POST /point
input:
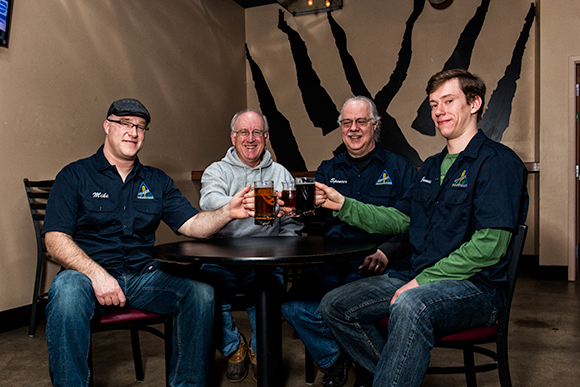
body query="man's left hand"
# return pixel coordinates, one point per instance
(409, 285)
(375, 263)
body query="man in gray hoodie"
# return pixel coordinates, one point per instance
(245, 162)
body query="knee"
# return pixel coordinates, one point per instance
(200, 294)
(330, 303)
(71, 294)
(289, 310)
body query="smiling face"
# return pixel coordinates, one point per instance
(121, 143)
(453, 116)
(249, 148)
(358, 139)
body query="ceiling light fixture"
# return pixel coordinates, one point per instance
(303, 7)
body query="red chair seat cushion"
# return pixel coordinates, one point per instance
(124, 315)
(470, 334)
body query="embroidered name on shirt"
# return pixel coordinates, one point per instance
(384, 179)
(461, 180)
(100, 195)
(423, 180)
(336, 181)
(144, 192)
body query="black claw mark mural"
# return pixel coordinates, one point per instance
(323, 112)
(499, 107)
(460, 59)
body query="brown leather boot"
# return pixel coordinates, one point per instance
(238, 363)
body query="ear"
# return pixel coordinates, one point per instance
(233, 138)
(476, 104)
(266, 138)
(106, 126)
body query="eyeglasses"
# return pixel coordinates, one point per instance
(246, 133)
(360, 123)
(129, 125)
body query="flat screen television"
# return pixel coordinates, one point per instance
(5, 13)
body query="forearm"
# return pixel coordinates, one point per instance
(373, 219)
(206, 223)
(485, 248)
(62, 248)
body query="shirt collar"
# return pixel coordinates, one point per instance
(103, 164)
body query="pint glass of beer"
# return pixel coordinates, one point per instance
(304, 196)
(289, 196)
(265, 203)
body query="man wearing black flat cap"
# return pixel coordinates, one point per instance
(100, 227)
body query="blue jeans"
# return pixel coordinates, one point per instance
(228, 281)
(302, 310)
(418, 315)
(72, 305)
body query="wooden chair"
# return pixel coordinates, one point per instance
(134, 320)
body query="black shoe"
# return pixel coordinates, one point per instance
(363, 378)
(337, 374)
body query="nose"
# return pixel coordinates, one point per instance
(133, 131)
(438, 110)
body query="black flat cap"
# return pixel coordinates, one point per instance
(129, 107)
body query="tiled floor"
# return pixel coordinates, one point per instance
(544, 348)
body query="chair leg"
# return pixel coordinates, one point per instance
(469, 361)
(503, 366)
(32, 326)
(309, 367)
(139, 374)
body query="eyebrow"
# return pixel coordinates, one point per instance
(443, 97)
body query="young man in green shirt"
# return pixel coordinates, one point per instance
(460, 214)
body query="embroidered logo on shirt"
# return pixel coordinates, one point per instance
(461, 180)
(385, 179)
(336, 181)
(424, 180)
(144, 192)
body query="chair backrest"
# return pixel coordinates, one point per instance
(516, 250)
(37, 193)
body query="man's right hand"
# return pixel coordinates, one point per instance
(328, 197)
(107, 290)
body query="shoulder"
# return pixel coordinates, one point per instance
(500, 154)
(395, 159)
(82, 167)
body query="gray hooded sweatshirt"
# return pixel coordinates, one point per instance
(223, 179)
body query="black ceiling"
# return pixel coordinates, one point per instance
(254, 3)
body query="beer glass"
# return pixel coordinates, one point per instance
(304, 196)
(265, 202)
(289, 196)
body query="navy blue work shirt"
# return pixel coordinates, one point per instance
(382, 181)
(112, 221)
(484, 188)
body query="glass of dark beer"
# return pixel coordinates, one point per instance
(265, 202)
(304, 196)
